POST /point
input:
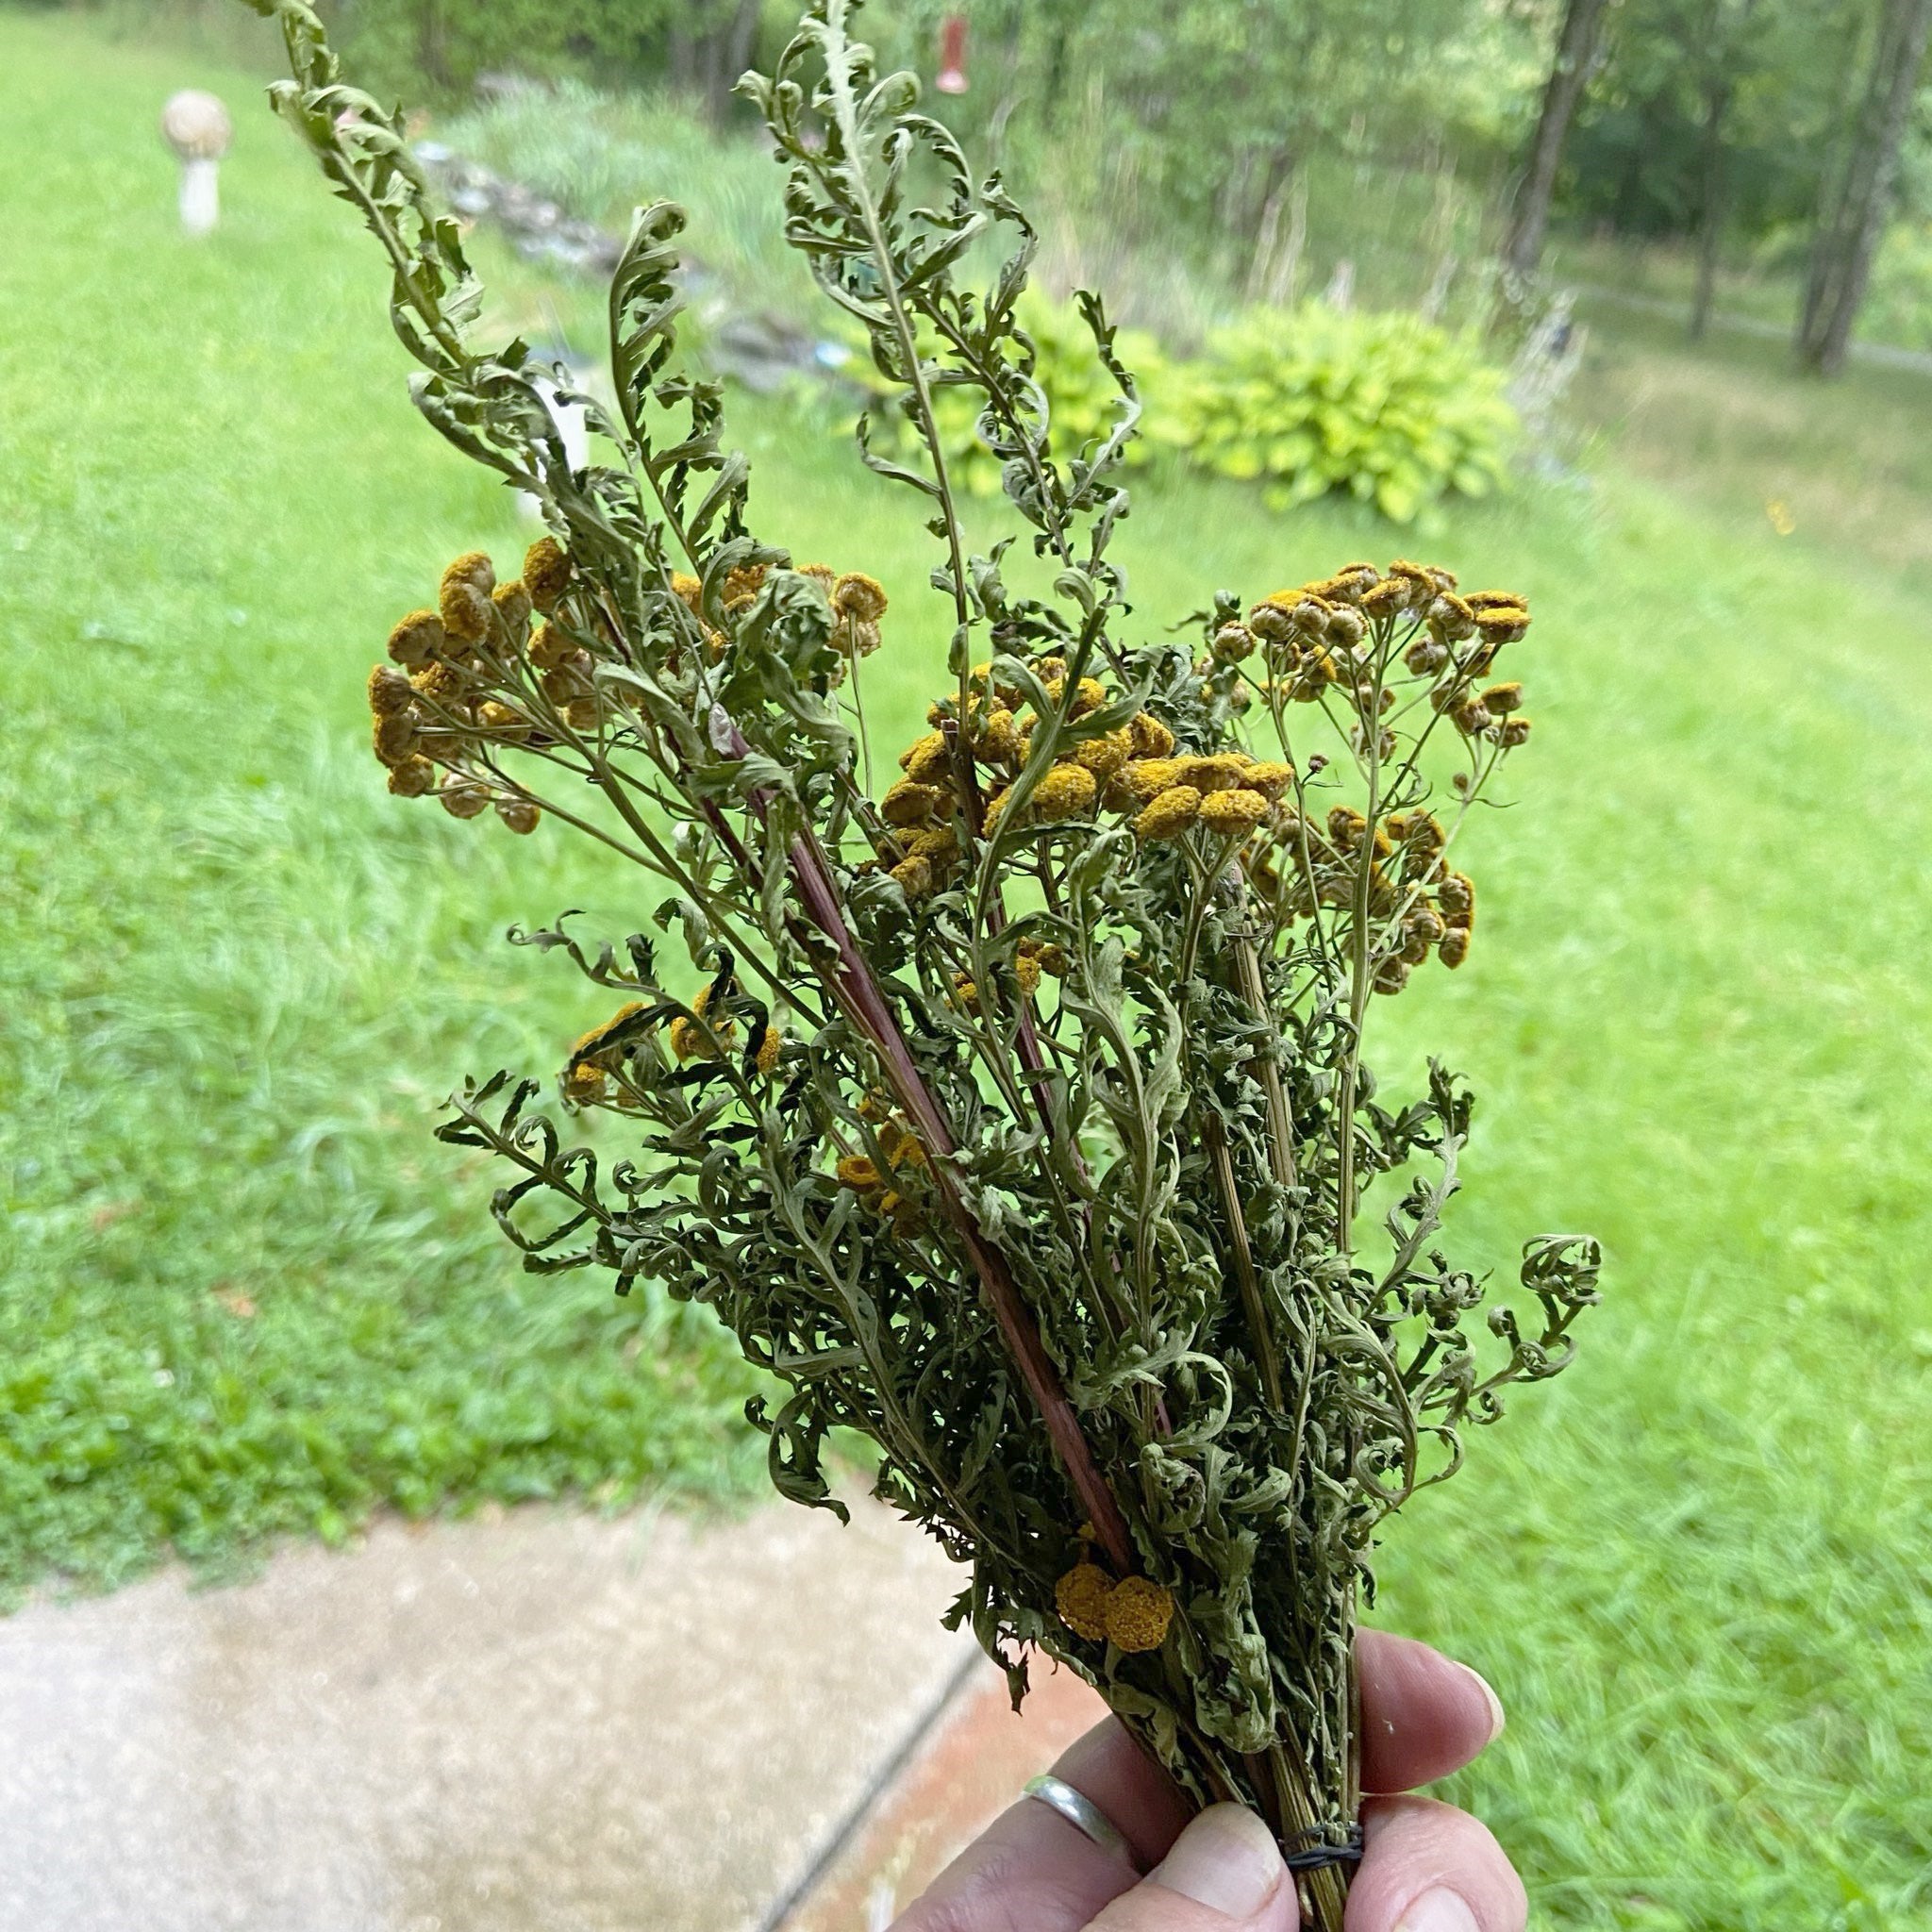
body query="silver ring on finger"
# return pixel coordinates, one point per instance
(1083, 1814)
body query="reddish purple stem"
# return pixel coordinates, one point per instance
(858, 991)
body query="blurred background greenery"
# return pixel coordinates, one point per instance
(245, 1294)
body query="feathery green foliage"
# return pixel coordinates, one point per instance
(1716, 1694)
(1081, 390)
(1087, 1266)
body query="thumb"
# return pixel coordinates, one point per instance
(1224, 1873)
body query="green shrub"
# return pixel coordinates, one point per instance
(409, 44)
(1081, 393)
(1385, 408)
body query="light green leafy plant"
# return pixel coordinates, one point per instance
(1016, 1118)
(1388, 409)
(1081, 391)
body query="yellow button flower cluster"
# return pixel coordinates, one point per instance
(690, 1040)
(595, 1055)
(1132, 1615)
(1228, 793)
(888, 1189)
(432, 702)
(919, 807)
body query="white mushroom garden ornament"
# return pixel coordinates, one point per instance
(196, 126)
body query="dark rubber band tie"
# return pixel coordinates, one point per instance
(1319, 1858)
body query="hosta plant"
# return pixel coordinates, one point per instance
(1079, 389)
(1014, 1114)
(1385, 408)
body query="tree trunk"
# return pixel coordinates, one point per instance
(717, 82)
(1277, 181)
(1287, 259)
(1012, 40)
(1720, 89)
(743, 46)
(1839, 192)
(1623, 219)
(1575, 51)
(1711, 215)
(1058, 45)
(681, 61)
(432, 44)
(707, 58)
(1848, 240)
(1846, 93)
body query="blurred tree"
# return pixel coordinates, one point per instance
(1057, 20)
(1724, 53)
(1576, 49)
(1858, 193)
(1238, 96)
(712, 44)
(1191, 124)
(445, 43)
(432, 43)
(1768, 85)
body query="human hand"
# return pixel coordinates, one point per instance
(1427, 1867)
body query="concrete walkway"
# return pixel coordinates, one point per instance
(544, 1724)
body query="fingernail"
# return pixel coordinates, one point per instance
(1226, 1858)
(1439, 1911)
(1497, 1719)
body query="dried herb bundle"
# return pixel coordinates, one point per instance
(1015, 1116)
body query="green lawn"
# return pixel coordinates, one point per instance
(1844, 469)
(1761, 294)
(246, 1294)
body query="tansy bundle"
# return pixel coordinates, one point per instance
(1011, 1114)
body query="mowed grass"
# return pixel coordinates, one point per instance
(246, 1293)
(1841, 469)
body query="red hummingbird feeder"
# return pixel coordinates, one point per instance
(952, 78)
